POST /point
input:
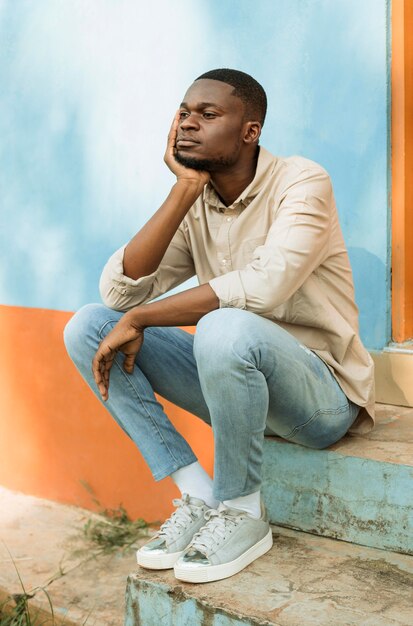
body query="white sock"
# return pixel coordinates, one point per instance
(193, 480)
(251, 504)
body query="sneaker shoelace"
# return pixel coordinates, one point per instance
(179, 519)
(219, 523)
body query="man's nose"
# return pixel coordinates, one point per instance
(189, 122)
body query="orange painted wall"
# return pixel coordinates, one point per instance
(54, 432)
(402, 170)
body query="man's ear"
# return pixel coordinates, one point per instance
(252, 132)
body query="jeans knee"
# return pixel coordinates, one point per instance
(80, 327)
(220, 337)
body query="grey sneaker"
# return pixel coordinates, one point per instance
(174, 535)
(229, 541)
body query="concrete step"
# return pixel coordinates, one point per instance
(359, 490)
(303, 580)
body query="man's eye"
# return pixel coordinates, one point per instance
(209, 115)
(183, 114)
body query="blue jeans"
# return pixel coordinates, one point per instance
(240, 373)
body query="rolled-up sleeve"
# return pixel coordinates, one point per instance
(296, 244)
(122, 293)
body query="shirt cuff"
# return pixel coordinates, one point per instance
(119, 291)
(229, 290)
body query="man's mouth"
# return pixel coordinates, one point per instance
(186, 142)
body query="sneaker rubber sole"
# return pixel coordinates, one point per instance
(209, 573)
(157, 561)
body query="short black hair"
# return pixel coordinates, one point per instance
(245, 87)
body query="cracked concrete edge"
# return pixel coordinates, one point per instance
(209, 612)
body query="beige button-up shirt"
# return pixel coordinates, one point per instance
(277, 251)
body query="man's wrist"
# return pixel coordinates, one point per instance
(136, 317)
(190, 187)
(181, 309)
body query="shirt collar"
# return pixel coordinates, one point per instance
(265, 165)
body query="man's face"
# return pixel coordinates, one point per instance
(210, 128)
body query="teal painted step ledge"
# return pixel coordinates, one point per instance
(304, 580)
(359, 490)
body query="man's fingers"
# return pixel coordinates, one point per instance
(105, 375)
(173, 131)
(96, 368)
(103, 390)
(101, 384)
(101, 365)
(129, 363)
(106, 353)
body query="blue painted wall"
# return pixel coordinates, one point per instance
(87, 94)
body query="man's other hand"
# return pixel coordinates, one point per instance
(125, 337)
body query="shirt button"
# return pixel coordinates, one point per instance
(224, 261)
(229, 219)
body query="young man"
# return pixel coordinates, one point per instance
(276, 348)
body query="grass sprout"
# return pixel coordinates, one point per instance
(114, 530)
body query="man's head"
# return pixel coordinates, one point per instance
(221, 118)
(246, 88)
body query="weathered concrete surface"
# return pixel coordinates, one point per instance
(359, 490)
(304, 580)
(391, 441)
(42, 536)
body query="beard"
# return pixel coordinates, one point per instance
(207, 165)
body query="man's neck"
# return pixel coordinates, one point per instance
(232, 182)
